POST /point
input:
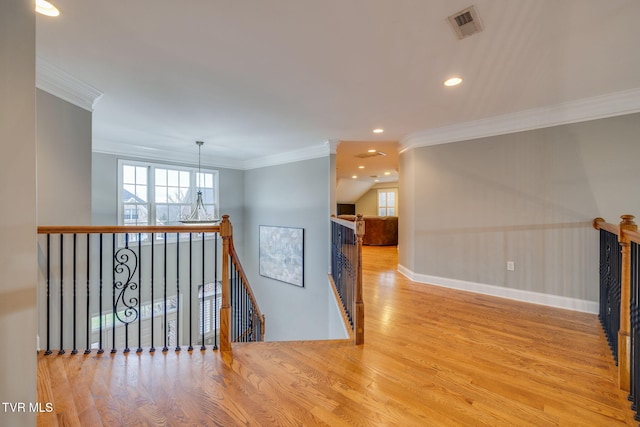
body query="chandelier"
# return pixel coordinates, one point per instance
(199, 214)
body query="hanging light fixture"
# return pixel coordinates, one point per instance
(199, 214)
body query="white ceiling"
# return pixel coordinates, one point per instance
(258, 78)
(357, 170)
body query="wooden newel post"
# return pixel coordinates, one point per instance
(225, 311)
(359, 317)
(624, 333)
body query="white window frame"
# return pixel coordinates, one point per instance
(151, 203)
(212, 300)
(386, 207)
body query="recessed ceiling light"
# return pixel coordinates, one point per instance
(453, 81)
(371, 151)
(43, 7)
(376, 180)
(354, 176)
(387, 173)
(360, 167)
(378, 130)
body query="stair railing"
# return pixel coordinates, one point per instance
(620, 268)
(129, 287)
(247, 321)
(346, 271)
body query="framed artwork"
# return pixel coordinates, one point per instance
(282, 254)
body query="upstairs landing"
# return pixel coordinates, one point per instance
(432, 356)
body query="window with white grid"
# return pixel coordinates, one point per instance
(387, 202)
(156, 194)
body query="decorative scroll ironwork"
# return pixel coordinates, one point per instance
(123, 291)
(125, 267)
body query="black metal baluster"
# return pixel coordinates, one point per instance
(61, 349)
(126, 306)
(190, 292)
(241, 301)
(238, 309)
(153, 240)
(242, 306)
(75, 283)
(87, 350)
(202, 347)
(139, 349)
(216, 329)
(48, 350)
(113, 294)
(635, 327)
(603, 293)
(247, 308)
(615, 313)
(232, 301)
(100, 349)
(126, 324)
(166, 332)
(245, 312)
(606, 284)
(178, 291)
(236, 304)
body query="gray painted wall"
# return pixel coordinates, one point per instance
(267, 196)
(64, 162)
(64, 184)
(18, 217)
(292, 195)
(406, 204)
(529, 197)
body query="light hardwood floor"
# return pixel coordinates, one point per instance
(432, 357)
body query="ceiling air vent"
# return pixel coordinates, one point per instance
(367, 155)
(466, 22)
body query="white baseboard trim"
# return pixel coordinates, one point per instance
(499, 291)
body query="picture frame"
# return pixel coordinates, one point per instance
(281, 254)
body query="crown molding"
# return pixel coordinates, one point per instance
(333, 145)
(308, 153)
(599, 107)
(147, 153)
(59, 83)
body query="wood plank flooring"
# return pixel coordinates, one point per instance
(432, 357)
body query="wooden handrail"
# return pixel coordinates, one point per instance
(107, 229)
(633, 236)
(344, 222)
(601, 224)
